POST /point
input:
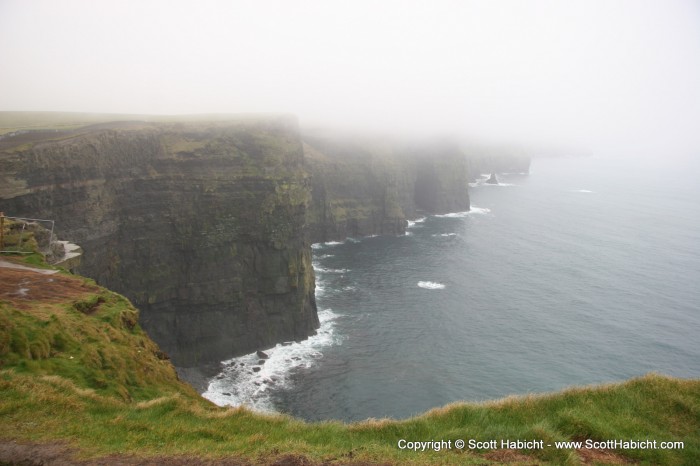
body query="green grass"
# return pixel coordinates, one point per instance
(82, 371)
(14, 121)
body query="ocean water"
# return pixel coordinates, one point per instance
(584, 271)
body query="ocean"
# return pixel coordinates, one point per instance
(586, 270)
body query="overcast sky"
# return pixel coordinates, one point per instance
(605, 72)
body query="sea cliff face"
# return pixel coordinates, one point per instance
(206, 226)
(365, 187)
(200, 225)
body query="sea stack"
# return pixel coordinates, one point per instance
(492, 179)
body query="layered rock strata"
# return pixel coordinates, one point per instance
(364, 187)
(201, 225)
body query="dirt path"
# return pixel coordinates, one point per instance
(59, 454)
(12, 265)
(24, 286)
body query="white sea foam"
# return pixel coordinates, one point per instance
(318, 268)
(582, 191)
(497, 184)
(239, 385)
(444, 235)
(323, 245)
(320, 282)
(474, 210)
(431, 285)
(326, 256)
(453, 215)
(416, 222)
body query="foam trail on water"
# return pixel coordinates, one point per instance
(582, 191)
(318, 268)
(474, 210)
(431, 285)
(248, 381)
(444, 235)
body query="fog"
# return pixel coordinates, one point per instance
(609, 75)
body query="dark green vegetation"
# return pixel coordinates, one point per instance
(76, 368)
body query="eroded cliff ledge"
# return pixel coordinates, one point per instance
(201, 225)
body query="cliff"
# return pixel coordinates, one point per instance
(200, 224)
(365, 186)
(206, 224)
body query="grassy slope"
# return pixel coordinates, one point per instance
(80, 369)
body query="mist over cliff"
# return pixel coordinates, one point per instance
(618, 76)
(206, 225)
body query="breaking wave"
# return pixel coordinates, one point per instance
(416, 222)
(250, 380)
(472, 211)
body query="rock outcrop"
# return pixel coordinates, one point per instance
(199, 224)
(483, 160)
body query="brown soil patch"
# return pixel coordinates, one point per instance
(507, 455)
(24, 288)
(60, 454)
(35, 454)
(602, 457)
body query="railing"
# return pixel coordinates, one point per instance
(27, 226)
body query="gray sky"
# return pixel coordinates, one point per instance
(622, 73)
